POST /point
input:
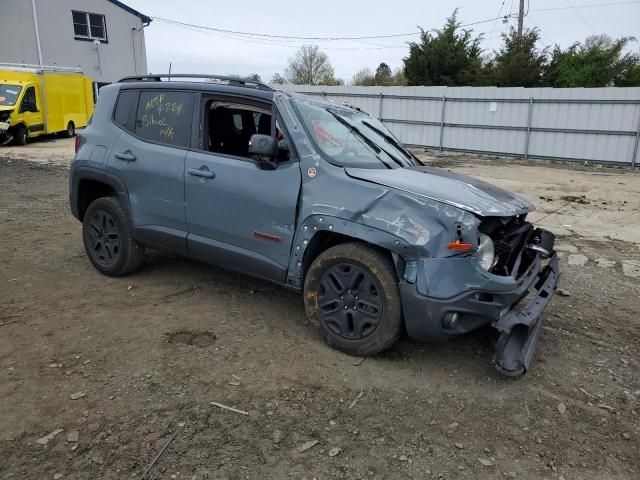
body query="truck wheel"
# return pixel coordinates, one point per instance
(20, 135)
(107, 238)
(70, 131)
(351, 291)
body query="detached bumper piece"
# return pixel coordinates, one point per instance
(519, 330)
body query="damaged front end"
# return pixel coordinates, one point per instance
(521, 250)
(5, 122)
(452, 296)
(464, 253)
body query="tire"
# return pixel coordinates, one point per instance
(70, 132)
(351, 292)
(107, 238)
(20, 135)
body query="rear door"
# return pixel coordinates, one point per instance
(149, 158)
(239, 214)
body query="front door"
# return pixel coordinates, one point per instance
(31, 111)
(149, 156)
(240, 214)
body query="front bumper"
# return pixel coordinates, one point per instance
(478, 299)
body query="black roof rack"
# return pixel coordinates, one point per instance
(235, 81)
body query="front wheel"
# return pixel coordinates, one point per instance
(351, 291)
(107, 238)
(20, 135)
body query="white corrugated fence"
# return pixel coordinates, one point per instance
(575, 124)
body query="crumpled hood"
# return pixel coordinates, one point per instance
(460, 191)
(4, 108)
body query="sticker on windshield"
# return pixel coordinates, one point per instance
(13, 92)
(312, 172)
(2, 99)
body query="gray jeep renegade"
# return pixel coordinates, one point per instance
(316, 196)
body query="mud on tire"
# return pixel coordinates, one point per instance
(351, 292)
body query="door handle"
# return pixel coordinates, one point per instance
(201, 172)
(126, 156)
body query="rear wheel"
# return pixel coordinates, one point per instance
(107, 238)
(20, 135)
(70, 131)
(351, 291)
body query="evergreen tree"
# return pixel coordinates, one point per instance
(449, 56)
(519, 63)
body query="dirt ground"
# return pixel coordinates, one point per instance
(128, 364)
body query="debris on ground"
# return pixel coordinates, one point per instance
(232, 409)
(47, 438)
(308, 445)
(334, 451)
(355, 400)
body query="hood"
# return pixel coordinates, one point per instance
(460, 191)
(4, 108)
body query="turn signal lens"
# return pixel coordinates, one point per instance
(460, 246)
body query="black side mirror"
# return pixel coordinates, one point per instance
(262, 145)
(264, 149)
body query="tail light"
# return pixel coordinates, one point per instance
(79, 142)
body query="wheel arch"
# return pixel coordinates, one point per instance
(87, 185)
(320, 232)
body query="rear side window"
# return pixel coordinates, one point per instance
(125, 112)
(165, 117)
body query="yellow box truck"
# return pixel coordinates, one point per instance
(37, 100)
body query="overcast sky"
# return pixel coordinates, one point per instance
(192, 50)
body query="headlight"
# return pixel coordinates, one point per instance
(486, 252)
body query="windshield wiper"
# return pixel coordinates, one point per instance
(375, 147)
(390, 140)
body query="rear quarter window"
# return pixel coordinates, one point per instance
(125, 111)
(165, 117)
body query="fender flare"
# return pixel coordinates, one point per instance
(82, 172)
(314, 224)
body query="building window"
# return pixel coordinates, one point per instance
(89, 26)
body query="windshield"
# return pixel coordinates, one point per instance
(9, 94)
(351, 138)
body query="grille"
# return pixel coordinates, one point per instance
(511, 239)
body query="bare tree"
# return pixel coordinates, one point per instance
(363, 78)
(310, 66)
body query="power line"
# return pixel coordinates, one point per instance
(496, 21)
(584, 20)
(292, 37)
(588, 5)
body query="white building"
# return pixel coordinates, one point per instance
(105, 38)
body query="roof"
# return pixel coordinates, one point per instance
(205, 87)
(141, 16)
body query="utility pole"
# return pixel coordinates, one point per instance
(520, 18)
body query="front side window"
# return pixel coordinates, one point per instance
(9, 94)
(89, 25)
(230, 125)
(164, 117)
(29, 100)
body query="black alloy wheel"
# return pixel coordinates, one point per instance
(351, 292)
(104, 238)
(349, 300)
